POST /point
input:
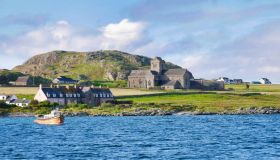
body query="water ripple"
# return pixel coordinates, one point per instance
(170, 137)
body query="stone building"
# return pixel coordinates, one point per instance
(23, 81)
(160, 77)
(64, 95)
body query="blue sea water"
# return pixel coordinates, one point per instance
(169, 137)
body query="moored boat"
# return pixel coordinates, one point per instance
(54, 118)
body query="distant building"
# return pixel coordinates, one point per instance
(224, 79)
(255, 82)
(159, 76)
(265, 81)
(23, 81)
(64, 80)
(13, 100)
(72, 94)
(8, 98)
(237, 81)
(21, 102)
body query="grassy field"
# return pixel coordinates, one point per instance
(18, 90)
(254, 88)
(212, 102)
(32, 91)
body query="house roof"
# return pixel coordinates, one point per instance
(21, 101)
(62, 91)
(23, 79)
(171, 83)
(176, 72)
(142, 73)
(57, 92)
(97, 90)
(63, 78)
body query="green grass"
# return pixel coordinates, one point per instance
(211, 102)
(254, 88)
(26, 96)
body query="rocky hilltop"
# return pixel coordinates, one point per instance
(105, 64)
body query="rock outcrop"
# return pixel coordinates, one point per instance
(105, 64)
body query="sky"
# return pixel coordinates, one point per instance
(211, 38)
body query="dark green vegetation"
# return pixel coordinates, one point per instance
(7, 76)
(99, 65)
(103, 83)
(34, 108)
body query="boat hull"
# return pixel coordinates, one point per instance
(51, 121)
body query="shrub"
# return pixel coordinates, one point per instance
(107, 105)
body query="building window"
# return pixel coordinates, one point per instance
(61, 95)
(78, 95)
(54, 95)
(96, 95)
(100, 95)
(74, 95)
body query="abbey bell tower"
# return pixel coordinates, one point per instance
(157, 64)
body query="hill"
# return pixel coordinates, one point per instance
(98, 65)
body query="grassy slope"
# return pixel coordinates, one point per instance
(212, 102)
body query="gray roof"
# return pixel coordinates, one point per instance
(61, 92)
(176, 71)
(63, 78)
(142, 73)
(22, 79)
(171, 83)
(21, 101)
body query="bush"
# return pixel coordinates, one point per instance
(107, 105)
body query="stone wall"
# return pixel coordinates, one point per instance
(206, 84)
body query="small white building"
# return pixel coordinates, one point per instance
(21, 102)
(8, 98)
(265, 81)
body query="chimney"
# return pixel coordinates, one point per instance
(51, 85)
(67, 86)
(40, 86)
(100, 86)
(92, 86)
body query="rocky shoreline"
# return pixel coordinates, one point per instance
(160, 112)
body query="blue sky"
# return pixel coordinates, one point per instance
(211, 38)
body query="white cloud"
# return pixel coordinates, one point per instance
(125, 35)
(122, 34)
(269, 69)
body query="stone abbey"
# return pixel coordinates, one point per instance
(159, 76)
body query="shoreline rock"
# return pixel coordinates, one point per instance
(160, 112)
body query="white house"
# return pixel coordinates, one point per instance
(8, 98)
(21, 102)
(265, 81)
(13, 100)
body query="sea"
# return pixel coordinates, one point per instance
(159, 137)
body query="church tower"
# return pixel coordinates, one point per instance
(158, 65)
